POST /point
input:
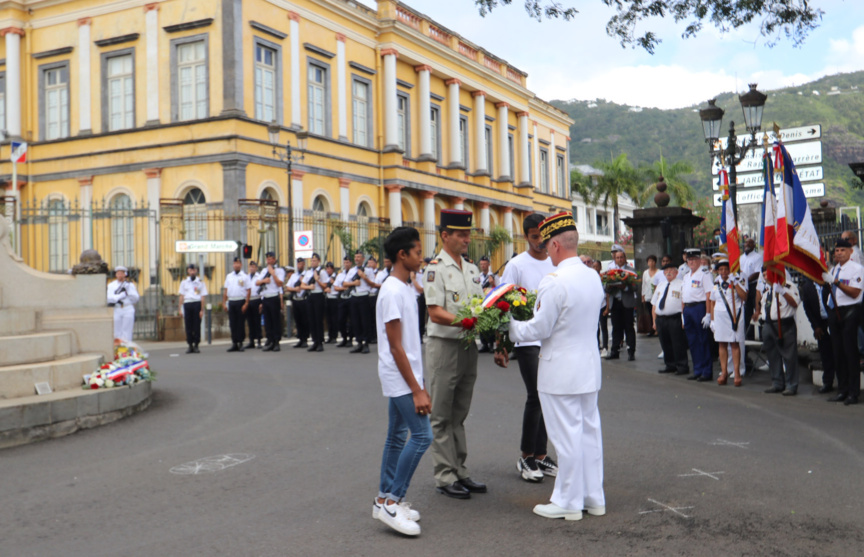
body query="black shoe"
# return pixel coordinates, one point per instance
(267, 348)
(825, 389)
(612, 356)
(472, 486)
(233, 348)
(249, 346)
(331, 341)
(455, 490)
(240, 348)
(365, 349)
(773, 390)
(359, 348)
(313, 348)
(190, 350)
(301, 344)
(838, 398)
(483, 349)
(694, 378)
(789, 392)
(195, 349)
(373, 341)
(343, 344)
(702, 379)
(631, 357)
(665, 371)
(685, 372)
(850, 400)
(275, 347)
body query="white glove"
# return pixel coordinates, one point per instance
(712, 327)
(828, 277)
(706, 321)
(779, 290)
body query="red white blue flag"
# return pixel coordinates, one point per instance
(776, 273)
(728, 226)
(19, 151)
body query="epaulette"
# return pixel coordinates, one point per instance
(433, 262)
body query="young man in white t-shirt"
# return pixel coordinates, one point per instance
(527, 270)
(400, 369)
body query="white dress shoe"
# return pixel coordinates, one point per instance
(554, 511)
(596, 511)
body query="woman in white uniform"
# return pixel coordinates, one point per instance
(727, 319)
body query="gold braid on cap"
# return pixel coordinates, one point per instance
(555, 223)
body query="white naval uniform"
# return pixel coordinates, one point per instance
(568, 379)
(124, 296)
(723, 330)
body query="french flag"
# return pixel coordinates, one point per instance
(776, 273)
(728, 226)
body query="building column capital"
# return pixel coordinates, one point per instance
(394, 188)
(534, 123)
(84, 21)
(297, 174)
(506, 209)
(389, 52)
(85, 181)
(478, 94)
(568, 138)
(153, 173)
(458, 200)
(11, 31)
(502, 105)
(482, 204)
(427, 194)
(453, 81)
(153, 6)
(294, 16)
(552, 133)
(523, 114)
(344, 182)
(340, 37)
(423, 68)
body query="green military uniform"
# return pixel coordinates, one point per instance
(452, 367)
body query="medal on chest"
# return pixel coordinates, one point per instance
(455, 296)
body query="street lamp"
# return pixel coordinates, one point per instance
(752, 103)
(286, 155)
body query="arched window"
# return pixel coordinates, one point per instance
(363, 212)
(122, 231)
(195, 215)
(268, 195)
(58, 236)
(267, 238)
(320, 208)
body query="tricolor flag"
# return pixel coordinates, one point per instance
(776, 273)
(728, 226)
(797, 242)
(19, 151)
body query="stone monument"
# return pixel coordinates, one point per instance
(662, 229)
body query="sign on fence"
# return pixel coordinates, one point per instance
(303, 240)
(205, 246)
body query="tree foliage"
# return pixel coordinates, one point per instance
(793, 19)
(678, 188)
(619, 178)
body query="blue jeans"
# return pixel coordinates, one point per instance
(400, 459)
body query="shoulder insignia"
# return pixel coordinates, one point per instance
(433, 262)
(430, 276)
(553, 274)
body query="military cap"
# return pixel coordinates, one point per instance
(455, 219)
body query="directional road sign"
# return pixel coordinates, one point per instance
(205, 246)
(757, 195)
(791, 135)
(806, 153)
(755, 179)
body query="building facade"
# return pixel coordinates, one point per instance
(163, 108)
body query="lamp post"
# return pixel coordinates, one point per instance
(752, 103)
(286, 155)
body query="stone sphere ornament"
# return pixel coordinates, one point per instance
(661, 198)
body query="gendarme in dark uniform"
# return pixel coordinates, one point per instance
(449, 281)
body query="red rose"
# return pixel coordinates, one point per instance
(469, 322)
(503, 306)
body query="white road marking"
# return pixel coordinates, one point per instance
(739, 444)
(666, 508)
(211, 464)
(701, 473)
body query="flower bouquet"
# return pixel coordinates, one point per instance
(130, 366)
(618, 279)
(490, 316)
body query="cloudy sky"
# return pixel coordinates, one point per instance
(577, 60)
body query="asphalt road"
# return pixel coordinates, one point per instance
(305, 432)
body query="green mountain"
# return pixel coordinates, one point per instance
(605, 129)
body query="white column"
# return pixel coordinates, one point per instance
(154, 192)
(394, 201)
(429, 222)
(297, 193)
(553, 164)
(151, 41)
(84, 124)
(503, 143)
(85, 195)
(344, 198)
(484, 217)
(453, 113)
(342, 86)
(524, 164)
(13, 81)
(536, 177)
(425, 109)
(459, 203)
(294, 31)
(480, 132)
(508, 226)
(391, 124)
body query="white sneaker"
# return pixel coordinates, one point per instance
(604, 353)
(395, 517)
(529, 470)
(411, 513)
(596, 511)
(660, 356)
(554, 511)
(763, 367)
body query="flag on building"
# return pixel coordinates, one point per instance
(776, 273)
(728, 226)
(19, 151)
(797, 242)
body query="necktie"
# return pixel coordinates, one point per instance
(834, 289)
(663, 299)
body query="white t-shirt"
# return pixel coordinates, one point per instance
(396, 300)
(527, 272)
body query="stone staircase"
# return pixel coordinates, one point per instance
(54, 329)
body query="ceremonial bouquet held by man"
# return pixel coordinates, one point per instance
(492, 315)
(618, 279)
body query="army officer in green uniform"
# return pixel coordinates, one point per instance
(448, 282)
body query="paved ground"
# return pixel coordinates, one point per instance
(786, 472)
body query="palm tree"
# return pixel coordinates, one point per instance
(679, 189)
(619, 178)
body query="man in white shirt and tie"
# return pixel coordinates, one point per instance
(235, 299)
(569, 374)
(667, 307)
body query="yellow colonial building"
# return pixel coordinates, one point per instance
(154, 116)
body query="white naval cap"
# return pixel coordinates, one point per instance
(617, 247)
(121, 268)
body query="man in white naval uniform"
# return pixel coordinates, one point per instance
(568, 379)
(123, 295)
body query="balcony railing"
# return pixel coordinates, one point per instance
(492, 64)
(407, 17)
(439, 35)
(467, 51)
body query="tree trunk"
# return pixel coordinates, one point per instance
(615, 222)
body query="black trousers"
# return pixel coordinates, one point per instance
(236, 321)
(272, 319)
(192, 321)
(421, 313)
(373, 332)
(344, 318)
(361, 322)
(331, 308)
(315, 310)
(673, 342)
(534, 439)
(622, 325)
(826, 352)
(844, 339)
(749, 304)
(603, 331)
(301, 318)
(253, 318)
